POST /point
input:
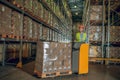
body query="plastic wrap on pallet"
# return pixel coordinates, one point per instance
(35, 29)
(25, 53)
(53, 57)
(95, 51)
(40, 10)
(27, 27)
(114, 52)
(96, 12)
(51, 19)
(17, 23)
(95, 33)
(114, 35)
(40, 31)
(42, 56)
(35, 7)
(45, 33)
(5, 22)
(28, 4)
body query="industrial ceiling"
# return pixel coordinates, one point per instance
(76, 7)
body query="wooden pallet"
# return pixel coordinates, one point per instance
(29, 11)
(6, 36)
(46, 75)
(17, 5)
(64, 73)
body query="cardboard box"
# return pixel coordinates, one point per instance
(17, 23)
(35, 30)
(18, 2)
(5, 23)
(95, 33)
(35, 9)
(96, 12)
(28, 4)
(51, 58)
(27, 27)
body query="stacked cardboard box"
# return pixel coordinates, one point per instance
(45, 33)
(17, 23)
(53, 57)
(12, 52)
(114, 35)
(114, 52)
(26, 50)
(96, 12)
(28, 4)
(40, 31)
(27, 27)
(5, 20)
(35, 7)
(95, 51)
(51, 19)
(18, 2)
(46, 15)
(35, 30)
(40, 10)
(95, 33)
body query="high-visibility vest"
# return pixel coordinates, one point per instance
(84, 37)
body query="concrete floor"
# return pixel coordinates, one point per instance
(96, 72)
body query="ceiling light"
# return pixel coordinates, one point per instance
(76, 13)
(75, 6)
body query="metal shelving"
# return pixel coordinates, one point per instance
(53, 31)
(41, 21)
(110, 18)
(61, 23)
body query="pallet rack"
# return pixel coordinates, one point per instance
(61, 32)
(110, 17)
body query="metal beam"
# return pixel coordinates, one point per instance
(103, 29)
(108, 34)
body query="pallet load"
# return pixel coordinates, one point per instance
(53, 59)
(28, 5)
(35, 30)
(95, 33)
(17, 24)
(12, 53)
(96, 13)
(114, 54)
(18, 3)
(5, 21)
(27, 28)
(114, 35)
(95, 51)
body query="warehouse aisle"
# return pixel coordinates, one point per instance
(96, 72)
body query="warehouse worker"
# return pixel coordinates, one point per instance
(81, 36)
(80, 39)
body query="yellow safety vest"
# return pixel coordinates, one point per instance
(84, 37)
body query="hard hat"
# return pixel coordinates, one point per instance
(81, 26)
